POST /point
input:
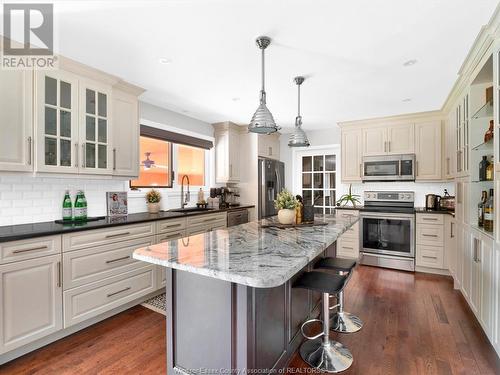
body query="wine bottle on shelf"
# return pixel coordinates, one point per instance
(488, 213)
(489, 171)
(480, 208)
(488, 136)
(483, 165)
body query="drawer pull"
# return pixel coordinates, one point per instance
(347, 215)
(170, 236)
(430, 218)
(31, 249)
(429, 257)
(120, 291)
(173, 225)
(347, 247)
(429, 235)
(117, 259)
(117, 234)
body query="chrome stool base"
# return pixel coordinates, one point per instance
(345, 322)
(329, 357)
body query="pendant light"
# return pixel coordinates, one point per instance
(262, 120)
(298, 138)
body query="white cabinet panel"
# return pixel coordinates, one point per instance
(14, 251)
(90, 300)
(374, 141)
(400, 139)
(351, 155)
(428, 150)
(485, 259)
(16, 120)
(450, 245)
(126, 130)
(31, 297)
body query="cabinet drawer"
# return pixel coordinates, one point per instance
(89, 265)
(170, 225)
(347, 248)
(430, 219)
(90, 300)
(164, 237)
(29, 249)
(98, 237)
(346, 213)
(206, 219)
(428, 234)
(352, 233)
(430, 256)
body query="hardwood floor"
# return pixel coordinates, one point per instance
(414, 324)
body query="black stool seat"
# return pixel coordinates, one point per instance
(321, 282)
(338, 264)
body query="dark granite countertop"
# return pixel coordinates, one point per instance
(423, 210)
(24, 231)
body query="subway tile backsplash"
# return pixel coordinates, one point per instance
(28, 199)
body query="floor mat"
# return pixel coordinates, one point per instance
(157, 304)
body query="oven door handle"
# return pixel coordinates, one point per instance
(385, 215)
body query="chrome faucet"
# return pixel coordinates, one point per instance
(184, 199)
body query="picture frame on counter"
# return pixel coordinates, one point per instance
(117, 203)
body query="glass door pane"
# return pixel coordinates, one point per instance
(96, 129)
(57, 122)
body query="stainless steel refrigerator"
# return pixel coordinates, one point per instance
(271, 182)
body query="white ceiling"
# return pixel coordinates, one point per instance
(352, 53)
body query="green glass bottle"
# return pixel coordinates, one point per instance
(67, 207)
(80, 206)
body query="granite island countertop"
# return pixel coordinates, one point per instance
(248, 254)
(49, 228)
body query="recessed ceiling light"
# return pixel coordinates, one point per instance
(235, 99)
(164, 60)
(407, 100)
(410, 62)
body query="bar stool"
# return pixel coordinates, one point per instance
(320, 351)
(341, 321)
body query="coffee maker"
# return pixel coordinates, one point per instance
(432, 202)
(232, 196)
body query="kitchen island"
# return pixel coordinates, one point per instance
(230, 302)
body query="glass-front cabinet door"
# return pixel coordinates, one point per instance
(57, 122)
(95, 128)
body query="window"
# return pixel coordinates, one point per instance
(191, 163)
(319, 181)
(160, 158)
(156, 163)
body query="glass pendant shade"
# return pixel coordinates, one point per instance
(262, 120)
(298, 138)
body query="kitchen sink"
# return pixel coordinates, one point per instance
(190, 209)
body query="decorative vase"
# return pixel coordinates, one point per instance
(286, 216)
(154, 208)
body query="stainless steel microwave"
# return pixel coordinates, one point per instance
(389, 168)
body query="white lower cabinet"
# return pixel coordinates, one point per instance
(31, 308)
(90, 300)
(348, 243)
(450, 244)
(430, 240)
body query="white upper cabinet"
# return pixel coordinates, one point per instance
(428, 150)
(269, 145)
(126, 128)
(57, 141)
(227, 152)
(16, 120)
(61, 121)
(374, 141)
(387, 140)
(400, 139)
(351, 155)
(95, 128)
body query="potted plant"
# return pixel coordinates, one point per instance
(153, 198)
(286, 203)
(348, 198)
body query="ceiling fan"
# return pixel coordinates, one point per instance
(148, 163)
